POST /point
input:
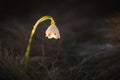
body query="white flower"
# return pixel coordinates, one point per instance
(52, 32)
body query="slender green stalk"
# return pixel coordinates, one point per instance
(27, 53)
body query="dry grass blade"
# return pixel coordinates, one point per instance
(9, 66)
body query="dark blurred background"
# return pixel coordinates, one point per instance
(84, 21)
(23, 8)
(90, 38)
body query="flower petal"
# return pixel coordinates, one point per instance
(52, 32)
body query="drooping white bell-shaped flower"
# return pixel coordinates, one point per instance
(52, 32)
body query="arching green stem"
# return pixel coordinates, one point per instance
(27, 53)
